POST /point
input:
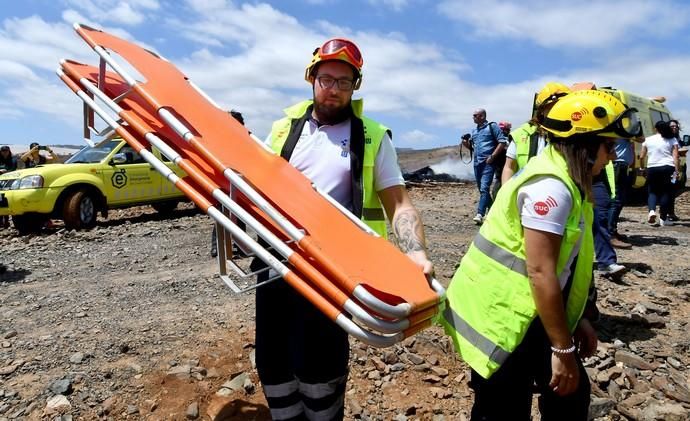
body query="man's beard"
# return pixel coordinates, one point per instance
(330, 114)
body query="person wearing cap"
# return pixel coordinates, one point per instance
(489, 144)
(528, 140)
(33, 156)
(517, 309)
(302, 356)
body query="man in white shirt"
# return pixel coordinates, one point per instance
(302, 356)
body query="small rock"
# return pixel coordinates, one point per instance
(440, 393)
(632, 360)
(674, 363)
(61, 387)
(57, 404)
(248, 386)
(665, 412)
(415, 359)
(77, 358)
(237, 382)
(599, 407)
(439, 371)
(192, 412)
(10, 334)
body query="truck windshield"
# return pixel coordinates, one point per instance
(90, 155)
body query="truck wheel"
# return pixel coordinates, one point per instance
(79, 211)
(28, 223)
(165, 208)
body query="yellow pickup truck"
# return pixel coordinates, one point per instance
(109, 175)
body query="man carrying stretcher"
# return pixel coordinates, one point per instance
(301, 355)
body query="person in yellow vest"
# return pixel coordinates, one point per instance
(528, 140)
(302, 356)
(516, 305)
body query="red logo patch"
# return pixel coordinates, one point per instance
(576, 116)
(543, 208)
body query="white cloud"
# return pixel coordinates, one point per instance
(417, 138)
(396, 5)
(131, 12)
(558, 23)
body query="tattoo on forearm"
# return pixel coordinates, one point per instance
(408, 230)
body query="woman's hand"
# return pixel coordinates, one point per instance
(586, 338)
(565, 374)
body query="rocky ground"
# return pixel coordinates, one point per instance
(130, 322)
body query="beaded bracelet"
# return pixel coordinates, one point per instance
(563, 351)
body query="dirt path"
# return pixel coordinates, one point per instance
(130, 321)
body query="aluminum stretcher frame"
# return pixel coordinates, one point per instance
(398, 319)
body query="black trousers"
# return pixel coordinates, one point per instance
(507, 395)
(660, 189)
(301, 356)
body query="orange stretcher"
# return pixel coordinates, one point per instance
(358, 279)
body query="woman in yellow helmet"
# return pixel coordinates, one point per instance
(516, 305)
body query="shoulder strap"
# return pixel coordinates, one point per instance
(357, 163)
(296, 127)
(533, 145)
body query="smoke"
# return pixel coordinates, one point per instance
(456, 168)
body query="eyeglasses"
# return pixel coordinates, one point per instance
(327, 82)
(334, 47)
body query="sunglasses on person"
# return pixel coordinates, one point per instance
(332, 48)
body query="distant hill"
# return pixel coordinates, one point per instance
(414, 159)
(445, 160)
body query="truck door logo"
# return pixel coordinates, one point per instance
(119, 179)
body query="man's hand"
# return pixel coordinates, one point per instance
(421, 260)
(490, 159)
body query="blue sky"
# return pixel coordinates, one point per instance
(428, 64)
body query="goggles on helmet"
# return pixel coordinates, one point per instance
(626, 125)
(333, 48)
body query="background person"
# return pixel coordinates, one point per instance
(623, 175)
(302, 356)
(489, 143)
(529, 140)
(515, 304)
(33, 156)
(677, 187)
(8, 162)
(661, 152)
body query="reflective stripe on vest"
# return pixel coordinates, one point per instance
(611, 178)
(372, 209)
(488, 348)
(489, 298)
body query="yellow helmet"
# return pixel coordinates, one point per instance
(550, 92)
(337, 49)
(591, 112)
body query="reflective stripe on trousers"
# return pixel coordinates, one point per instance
(313, 391)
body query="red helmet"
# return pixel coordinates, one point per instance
(340, 49)
(505, 125)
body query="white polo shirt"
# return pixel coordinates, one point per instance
(323, 155)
